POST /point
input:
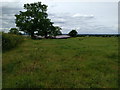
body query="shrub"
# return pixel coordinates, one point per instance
(10, 41)
(73, 33)
(14, 31)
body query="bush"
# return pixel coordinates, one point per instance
(14, 31)
(10, 41)
(73, 33)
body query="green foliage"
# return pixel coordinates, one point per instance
(65, 63)
(14, 31)
(73, 33)
(56, 31)
(35, 18)
(10, 41)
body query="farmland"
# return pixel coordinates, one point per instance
(80, 62)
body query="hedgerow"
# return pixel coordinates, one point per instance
(10, 41)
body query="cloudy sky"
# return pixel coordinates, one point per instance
(95, 17)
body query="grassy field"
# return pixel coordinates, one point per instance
(82, 62)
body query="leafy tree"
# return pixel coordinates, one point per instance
(35, 18)
(45, 28)
(73, 33)
(14, 31)
(56, 31)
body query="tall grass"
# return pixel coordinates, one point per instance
(10, 41)
(82, 62)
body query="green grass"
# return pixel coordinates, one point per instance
(82, 62)
(10, 41)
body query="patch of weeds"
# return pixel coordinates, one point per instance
(112, 56)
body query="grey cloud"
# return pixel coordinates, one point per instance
(8, 12)
(85, 24)
(67, 22)
(78, 15)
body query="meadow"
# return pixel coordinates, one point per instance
(80, 62)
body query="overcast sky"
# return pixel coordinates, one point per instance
(93, 17)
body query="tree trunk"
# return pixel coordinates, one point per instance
(46, 35)
(32, 35)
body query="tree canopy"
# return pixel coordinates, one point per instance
(35, 18)
(73, 33)
(14, 31)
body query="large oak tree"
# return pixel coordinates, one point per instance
(35, 18)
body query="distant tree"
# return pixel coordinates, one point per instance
(57, 31)
(14, 31)
(35, 18)
(73, 33)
